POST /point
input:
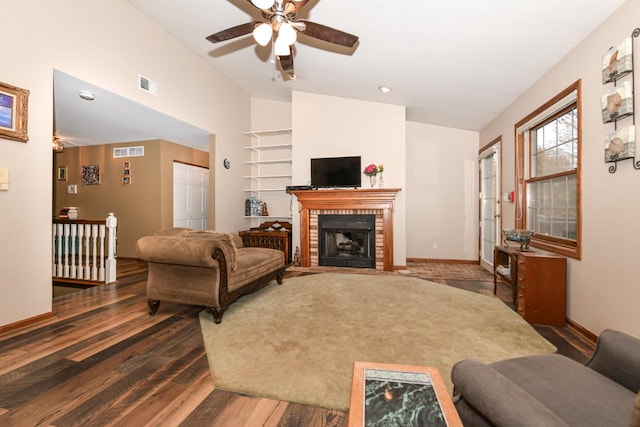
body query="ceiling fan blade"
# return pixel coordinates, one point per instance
(329, 34)
(286, 63)
(294, 6)
(300, 26)
(233, 32)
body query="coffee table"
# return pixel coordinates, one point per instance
(390, 394)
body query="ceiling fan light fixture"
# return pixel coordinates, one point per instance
(262, 33)
(287, 34)
(263, 4)
(281, 48)
(384, 89)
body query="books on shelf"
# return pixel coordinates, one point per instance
(68, 212)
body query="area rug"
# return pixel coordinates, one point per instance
(297, 342)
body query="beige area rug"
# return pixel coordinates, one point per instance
(297, 342)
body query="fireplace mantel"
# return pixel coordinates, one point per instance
(327, 200)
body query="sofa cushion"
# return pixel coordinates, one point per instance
(577, 394)
(254, 263)
(635, 417)
(483, 394)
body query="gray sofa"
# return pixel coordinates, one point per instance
(553, 390)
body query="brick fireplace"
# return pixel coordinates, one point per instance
(375, 202)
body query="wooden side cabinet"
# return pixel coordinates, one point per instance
(540, 285)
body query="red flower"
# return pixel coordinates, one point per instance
(371, 170)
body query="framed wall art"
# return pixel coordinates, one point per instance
(620, 144)
(91, 175)
(618, 61)
(617, 102)
(13, 112)
(62, 173)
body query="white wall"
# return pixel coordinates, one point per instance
(603, 289)
(107, 44)
(442, 188)
(329, 126)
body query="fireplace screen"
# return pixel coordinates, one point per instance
(346, 240)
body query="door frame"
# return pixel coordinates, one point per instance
(493, 148)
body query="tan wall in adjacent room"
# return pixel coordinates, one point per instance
(142, 207)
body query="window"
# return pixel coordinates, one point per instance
(548, 173)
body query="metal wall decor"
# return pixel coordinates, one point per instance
(617, 103)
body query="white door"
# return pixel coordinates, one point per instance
(490, 211)
(190, 196)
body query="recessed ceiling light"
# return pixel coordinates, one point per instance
(384, 89)
(86, 95)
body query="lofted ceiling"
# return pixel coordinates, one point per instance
(456, 64)
(451, 63)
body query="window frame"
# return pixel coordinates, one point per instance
(551, 110)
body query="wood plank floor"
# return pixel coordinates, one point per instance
(104, 361)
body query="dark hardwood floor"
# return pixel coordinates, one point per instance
(104, 361)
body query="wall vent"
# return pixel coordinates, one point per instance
(128, 152)
(148, 85)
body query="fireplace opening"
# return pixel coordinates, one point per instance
(347, 240)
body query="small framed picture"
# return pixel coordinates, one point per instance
(618, 61)
(617, 102)
(126, 172)
(13, 112)
(91, 175)
(126, 180)
(620, 144)
(62, 173)
(125, 165)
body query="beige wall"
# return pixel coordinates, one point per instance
(142, 207)
(603, 290)
(107, 44)
(328, 126)
(442, 183)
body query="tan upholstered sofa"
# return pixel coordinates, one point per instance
(205, 268)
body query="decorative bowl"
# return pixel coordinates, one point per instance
(518, 235)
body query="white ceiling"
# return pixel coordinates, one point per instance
(456, 64)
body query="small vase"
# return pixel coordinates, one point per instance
(372, 180)
(380, 182)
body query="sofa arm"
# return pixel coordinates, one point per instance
(497, 399)
(617, 356)
(180, 250)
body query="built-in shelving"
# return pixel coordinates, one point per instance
(270, 171)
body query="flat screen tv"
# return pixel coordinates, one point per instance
(330, 172)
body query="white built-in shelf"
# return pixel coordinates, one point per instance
(257, 177)
(269, 147)
(288, 216)
(259, 133)
(270, 159)
(262, 190)
(268, 162)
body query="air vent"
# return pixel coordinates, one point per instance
(128, 152)
(148, 86)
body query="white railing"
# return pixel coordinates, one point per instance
(79, 249)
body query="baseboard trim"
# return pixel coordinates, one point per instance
(587, 334)
(26, 322)
(442, 261)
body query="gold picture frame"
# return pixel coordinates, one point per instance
(13, 112)
(62, 173)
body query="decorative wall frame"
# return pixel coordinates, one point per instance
(91, 175)
(618, 61)
(126, 173)
(13, 112)
(620, 144)
(62, 173)
(617, 102)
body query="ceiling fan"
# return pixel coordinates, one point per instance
(281, 26)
